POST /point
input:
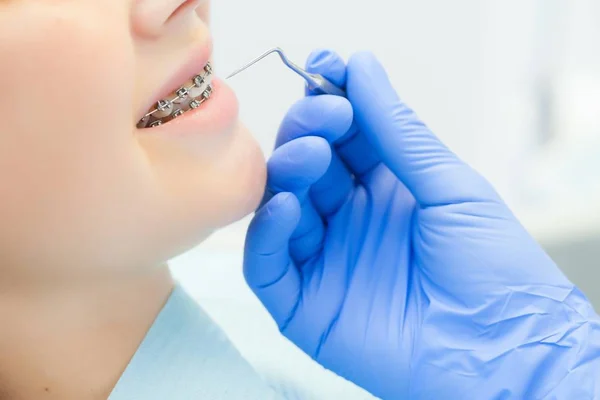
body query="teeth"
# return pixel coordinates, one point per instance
(195, 104)
(189, 96)
(199, 85)
(182, 95)
(206, 94)
(164, 108)
(199, 80)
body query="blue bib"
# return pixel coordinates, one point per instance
(186, 356)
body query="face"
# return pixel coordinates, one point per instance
(85, 191)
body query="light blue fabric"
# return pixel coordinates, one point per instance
(186, 356)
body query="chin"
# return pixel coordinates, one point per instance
(249, 175)
(211, 195)
(228, 185)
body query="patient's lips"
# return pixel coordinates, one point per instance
(196, 103)
(190, 96)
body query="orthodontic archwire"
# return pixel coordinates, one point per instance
(168, 105)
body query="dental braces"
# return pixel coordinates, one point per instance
(175, 107)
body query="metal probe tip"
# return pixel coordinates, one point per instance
(315, 81)
(277, 50)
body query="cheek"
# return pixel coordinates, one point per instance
(67, 85)
(210, 192)
(68, 64)
(66, 77)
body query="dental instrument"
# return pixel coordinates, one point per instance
(316, 82)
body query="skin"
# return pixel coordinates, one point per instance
(92, 208)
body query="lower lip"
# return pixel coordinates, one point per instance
(214, 116)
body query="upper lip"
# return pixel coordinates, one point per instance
(198, 57)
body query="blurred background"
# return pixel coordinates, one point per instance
(513, 87)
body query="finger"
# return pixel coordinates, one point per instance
(268, 268)
(353, 147)
(294, 167)
(294, 126)
(433, 174)
(357, 152)
(330, 192)
(328, 117)
(329, 64)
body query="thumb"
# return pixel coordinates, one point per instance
(434, 175)
(268, 268)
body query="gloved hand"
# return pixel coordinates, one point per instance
(391, 262)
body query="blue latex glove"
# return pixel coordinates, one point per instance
(393, 263)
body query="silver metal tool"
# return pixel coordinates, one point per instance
(317, 83)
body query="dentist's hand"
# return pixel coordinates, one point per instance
(391, 262)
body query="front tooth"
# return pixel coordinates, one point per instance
(182, 95)
(206, 94)
(164, 109)
(199, 84)
(199, 80)
(195, 104)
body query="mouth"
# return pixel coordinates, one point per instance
(188, 97)
(192, 103)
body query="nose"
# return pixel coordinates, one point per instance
(151, 17)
